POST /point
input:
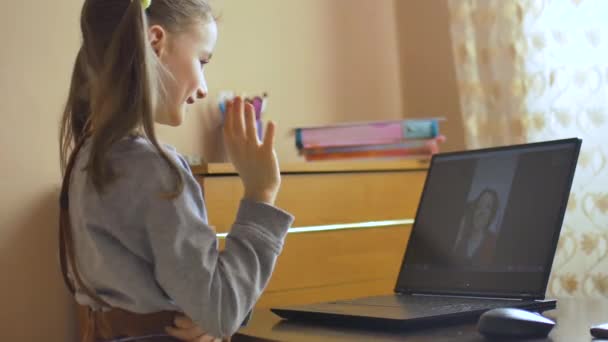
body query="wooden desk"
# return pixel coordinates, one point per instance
(573, 316)
(357, 218)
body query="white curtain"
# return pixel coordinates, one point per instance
(538, 70)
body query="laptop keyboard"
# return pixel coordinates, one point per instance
(433, 304)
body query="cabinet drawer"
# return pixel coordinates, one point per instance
(339, 257)
(341, 264)
(325, 263)
(320, 199)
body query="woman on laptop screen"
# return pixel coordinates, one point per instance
(475, 242)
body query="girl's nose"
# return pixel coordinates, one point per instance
(200, 93)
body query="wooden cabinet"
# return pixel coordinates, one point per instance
(353, 221)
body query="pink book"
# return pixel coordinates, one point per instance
(371, 133)
(354, 135)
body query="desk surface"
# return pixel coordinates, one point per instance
(573, 316)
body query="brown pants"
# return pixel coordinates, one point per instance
(104, 326)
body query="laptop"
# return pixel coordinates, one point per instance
(485, 236)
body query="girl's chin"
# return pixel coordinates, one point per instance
(173, 118)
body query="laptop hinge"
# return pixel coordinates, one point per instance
(461, 296)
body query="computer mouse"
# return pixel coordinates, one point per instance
(600, 331)
(513, 323)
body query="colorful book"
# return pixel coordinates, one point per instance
(382, 147)
(421, 152)
(371, 133)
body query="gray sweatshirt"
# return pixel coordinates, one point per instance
(145, 254)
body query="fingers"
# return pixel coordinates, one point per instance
(234, 122)
(252, 131)
(186, 330)
(191, 335)
(228, 117)
(269, 135)
(208, 338)
(183, 322)
(185, 334)
(238, 120)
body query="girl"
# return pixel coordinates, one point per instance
(135, 245)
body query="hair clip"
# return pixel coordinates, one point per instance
(146, 3)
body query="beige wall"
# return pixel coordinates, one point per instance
(39, 43)
(321, 61)
(429, 80)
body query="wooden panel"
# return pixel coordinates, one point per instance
(323, 166)
(337, 265)
(317, 199)
(339, 257)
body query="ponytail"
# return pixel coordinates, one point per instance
(123, 91)
(77, 111)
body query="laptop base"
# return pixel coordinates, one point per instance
(376, 315)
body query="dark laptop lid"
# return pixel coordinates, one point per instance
(489, 221)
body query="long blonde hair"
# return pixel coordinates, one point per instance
(116, 85)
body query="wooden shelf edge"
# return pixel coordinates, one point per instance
(323, 167)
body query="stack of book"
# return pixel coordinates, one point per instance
(409, 138)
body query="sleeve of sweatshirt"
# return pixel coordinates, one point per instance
(216, 289)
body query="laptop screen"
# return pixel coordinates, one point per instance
(489, 220)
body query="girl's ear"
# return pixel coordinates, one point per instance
(158, 39)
